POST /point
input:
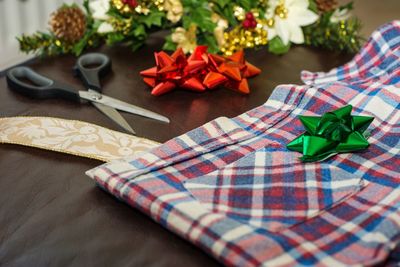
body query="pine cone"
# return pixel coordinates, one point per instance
(68, 23)
(326, 5)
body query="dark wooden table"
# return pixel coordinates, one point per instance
(51, 214)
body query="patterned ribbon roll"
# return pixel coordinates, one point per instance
(72, 137)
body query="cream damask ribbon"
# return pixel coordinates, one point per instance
(72, 137)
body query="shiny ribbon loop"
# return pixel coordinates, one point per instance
(335, 132)
(199, 71)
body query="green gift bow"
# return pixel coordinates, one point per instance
(335, 132)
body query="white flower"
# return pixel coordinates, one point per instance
(105, 27)
(174, 10)
(99, 9)
(288, 17)
(185, 39)
(219, 30)
(340, 15)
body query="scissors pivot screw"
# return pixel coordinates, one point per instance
(94, 95)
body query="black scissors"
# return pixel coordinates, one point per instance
(43, 87)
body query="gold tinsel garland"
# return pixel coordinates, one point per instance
(224, 26)
(140, 7)
(243, 38)
(123, 26)
(240, 37)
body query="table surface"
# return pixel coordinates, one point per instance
(51, 214)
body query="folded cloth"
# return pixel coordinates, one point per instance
(233, 188)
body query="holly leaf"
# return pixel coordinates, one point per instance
(114, 37)
(201, 17)
(153, 18)
(169, 45)
(313, 6)
(227, 13)
(197, 12)
(139, 31)
(208, 40)
(277, 47)
(222, 3)
(246, 4)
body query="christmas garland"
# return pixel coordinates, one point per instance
(222, 25)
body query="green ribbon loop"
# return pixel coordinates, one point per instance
(335, 132)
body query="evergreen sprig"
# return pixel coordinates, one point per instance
(342, 35)
(134, 28)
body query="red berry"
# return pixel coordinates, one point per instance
(131, 3)
(249, 16)
(246, 24)
(254, 24)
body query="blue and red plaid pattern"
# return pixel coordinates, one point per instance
(232, 188)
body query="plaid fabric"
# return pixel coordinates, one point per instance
(232, 188)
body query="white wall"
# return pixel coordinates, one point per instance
(22, 16)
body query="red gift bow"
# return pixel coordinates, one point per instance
(199, 71)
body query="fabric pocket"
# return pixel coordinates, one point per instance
(213, 135)
(272, 189)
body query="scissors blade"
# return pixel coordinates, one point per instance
(115, 116)
(121, 105)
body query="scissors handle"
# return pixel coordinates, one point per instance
(91, 67)
(38, 86)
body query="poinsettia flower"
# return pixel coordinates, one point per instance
(287, 18)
